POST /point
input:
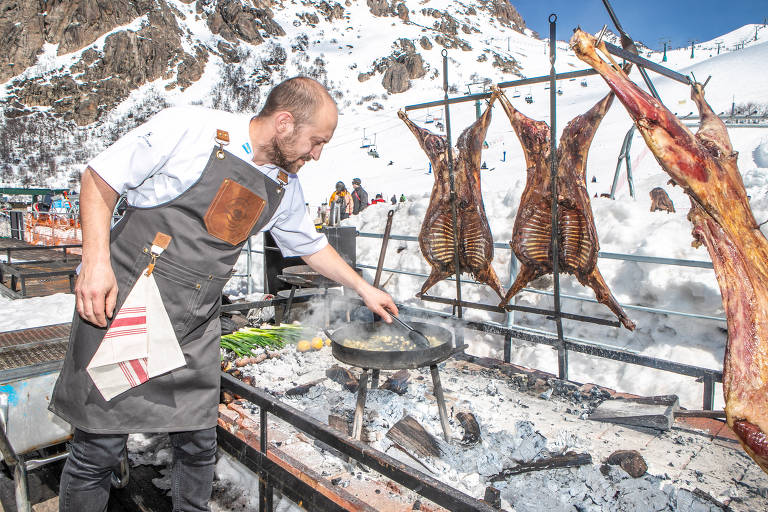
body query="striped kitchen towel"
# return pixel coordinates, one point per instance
(139, 344)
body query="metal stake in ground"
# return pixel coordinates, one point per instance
(562, 355)
(456, 262)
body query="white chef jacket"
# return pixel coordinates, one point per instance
(157, 161)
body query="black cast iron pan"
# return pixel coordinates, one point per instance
(389, 359)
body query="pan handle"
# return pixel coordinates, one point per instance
(458, 349)
(328, 335)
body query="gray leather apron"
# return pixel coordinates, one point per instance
(209, 223)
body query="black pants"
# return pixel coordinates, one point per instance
(86, 478)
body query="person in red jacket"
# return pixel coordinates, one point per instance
(378, 199)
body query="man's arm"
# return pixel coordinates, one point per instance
(96, 288)
(328, 262)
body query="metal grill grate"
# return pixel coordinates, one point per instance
(27, 347)
(38, 354)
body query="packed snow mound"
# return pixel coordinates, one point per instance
(760, 154)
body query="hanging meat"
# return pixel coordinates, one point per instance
(474, 234)
(531, 235)
(704, 164)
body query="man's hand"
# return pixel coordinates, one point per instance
(378, 301)
(96, 293)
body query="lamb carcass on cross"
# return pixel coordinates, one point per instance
(704, 165)
(531, 235)
(473, 233)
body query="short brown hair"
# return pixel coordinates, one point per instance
(300, 95)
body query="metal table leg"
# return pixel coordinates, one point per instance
(289, 303)
(375, 379)
(440, 400)
(362, 391)
(19, 472)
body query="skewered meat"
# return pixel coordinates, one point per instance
(474, 234)
(531, 235)
(661, 201)
(705, 166)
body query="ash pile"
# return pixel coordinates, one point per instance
(520, 439)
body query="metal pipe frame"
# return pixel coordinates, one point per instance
(615, 50)
(524, 309)
(421, 483)
(562, 356)
(454, 214)
(707, 375)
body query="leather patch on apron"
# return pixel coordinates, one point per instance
(233, 212)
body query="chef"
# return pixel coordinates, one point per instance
(202, 181)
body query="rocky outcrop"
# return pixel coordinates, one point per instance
(396, 78)
(76, 24)
(331, 11)
(232, 20)
(505, 13)
(402, 11)
(404, 65)
(425, 43)
(381, 8)
(129, 59)
(506, 64)
(26, 25)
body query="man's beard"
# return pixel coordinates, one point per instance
(278, 155)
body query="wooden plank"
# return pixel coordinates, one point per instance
(635, 413)
(413, 439)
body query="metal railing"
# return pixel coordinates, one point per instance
(511, 331)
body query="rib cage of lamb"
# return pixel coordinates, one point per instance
(577, 235)
(474, 234)
(704, 165)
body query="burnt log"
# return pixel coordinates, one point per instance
(569, 460)
(397, 382)
(468, 422)
(413, 439)
(343, 376)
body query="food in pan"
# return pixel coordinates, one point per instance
(390, 343)
(704, 164)
(473, 233)
(531, 235)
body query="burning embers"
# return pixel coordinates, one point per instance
(531, 236)
(704, 164)
(436, 238)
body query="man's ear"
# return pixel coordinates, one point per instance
(284, 123)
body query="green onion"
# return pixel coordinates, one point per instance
(245, 340)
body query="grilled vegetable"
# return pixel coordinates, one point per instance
(244, 341)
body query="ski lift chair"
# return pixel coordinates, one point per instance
(559, 91)
(529, 98)
(516, 93)
(583, 83)
(366, 142)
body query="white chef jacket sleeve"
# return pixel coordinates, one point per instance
(143, 151)
(293, 230)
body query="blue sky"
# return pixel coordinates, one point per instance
(649, 21)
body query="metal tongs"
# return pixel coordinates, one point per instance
(416, 336)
